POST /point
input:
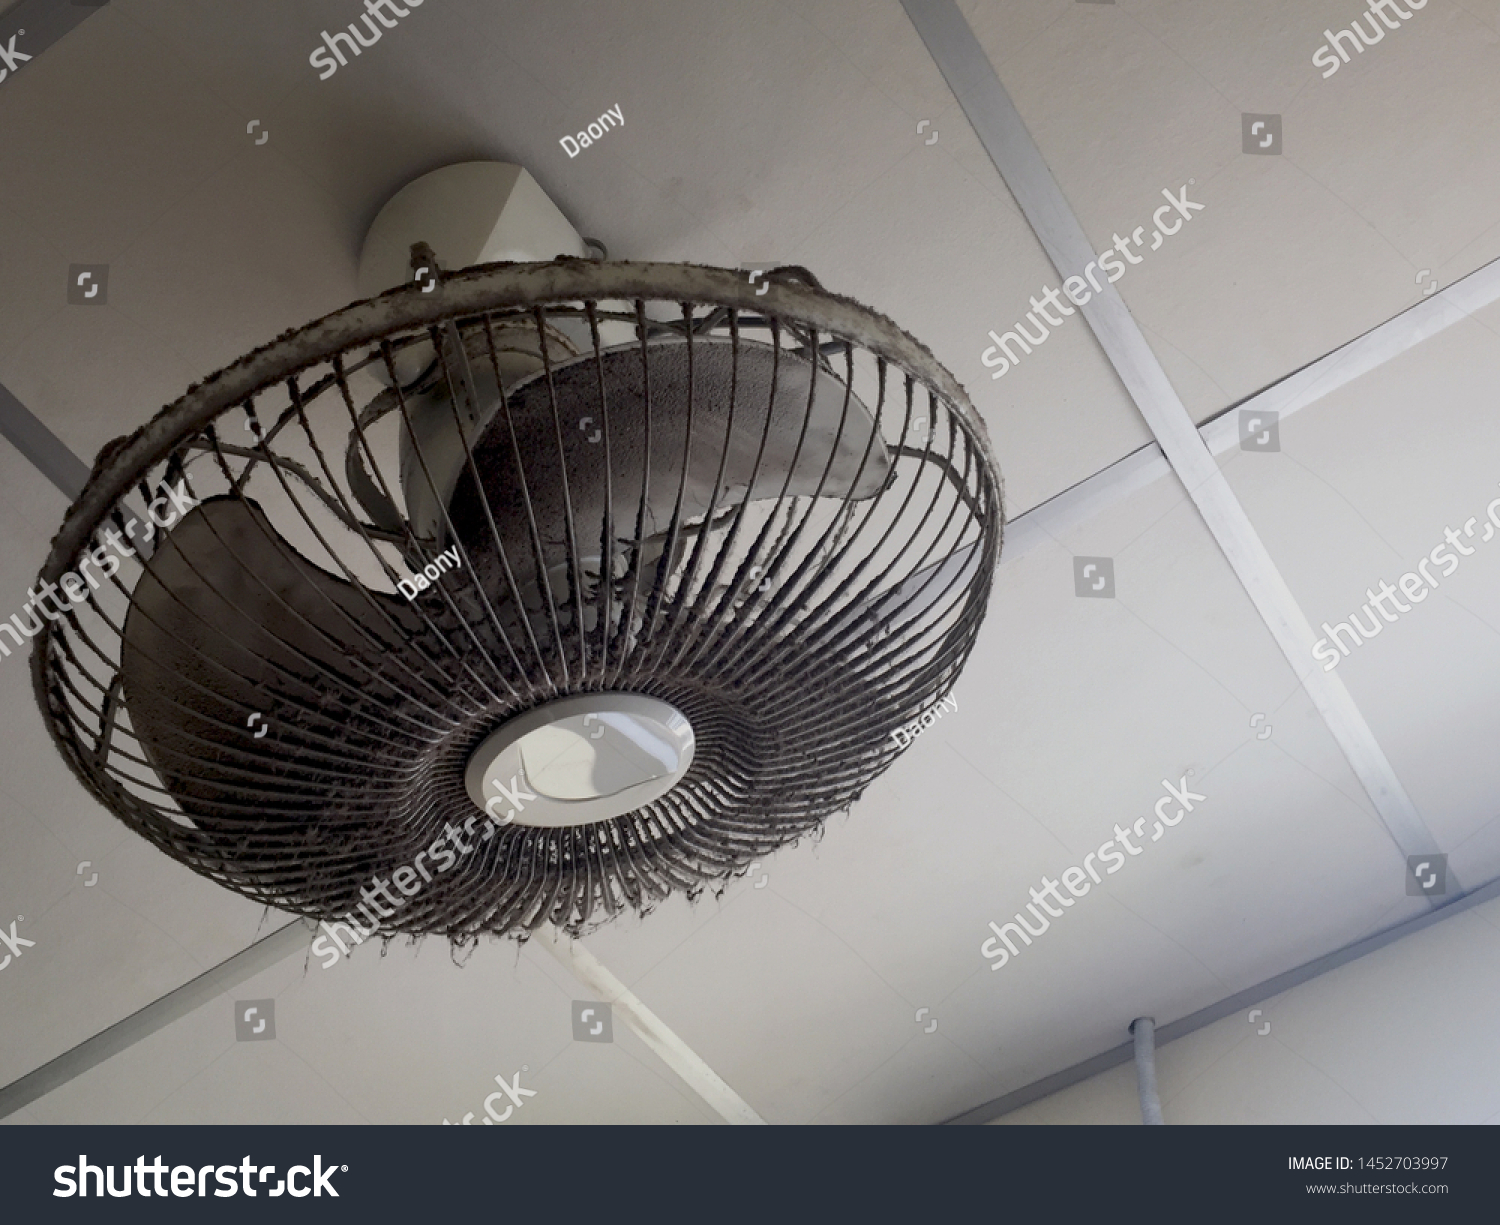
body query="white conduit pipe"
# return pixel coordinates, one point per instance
(1144, 1031)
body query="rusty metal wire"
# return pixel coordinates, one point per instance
(772, 510)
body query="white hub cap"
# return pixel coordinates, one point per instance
(582, 759)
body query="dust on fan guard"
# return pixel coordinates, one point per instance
(688, 552)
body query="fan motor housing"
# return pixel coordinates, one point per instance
(468, 213)
(635, 752)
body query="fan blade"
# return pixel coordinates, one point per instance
(922, 589)
(717, 383)
(228, 621)
(839, 454)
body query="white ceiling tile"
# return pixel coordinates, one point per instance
(139, 132)
(1281, 1089)
(785, 131)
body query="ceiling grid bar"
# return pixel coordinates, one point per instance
(1000, 129)
(1260, 993)
(1322, 377)
(648, 1027)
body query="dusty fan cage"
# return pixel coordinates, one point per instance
(796, 633)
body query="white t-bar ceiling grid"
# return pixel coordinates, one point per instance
(996, 122)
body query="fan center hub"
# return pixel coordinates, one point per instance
(578, 760)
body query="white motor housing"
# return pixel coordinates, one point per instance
(468, 213)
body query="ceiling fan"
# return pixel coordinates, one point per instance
(632, 567)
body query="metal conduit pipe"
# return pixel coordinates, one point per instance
(1143, 1029)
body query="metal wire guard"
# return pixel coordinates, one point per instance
(782, 517)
